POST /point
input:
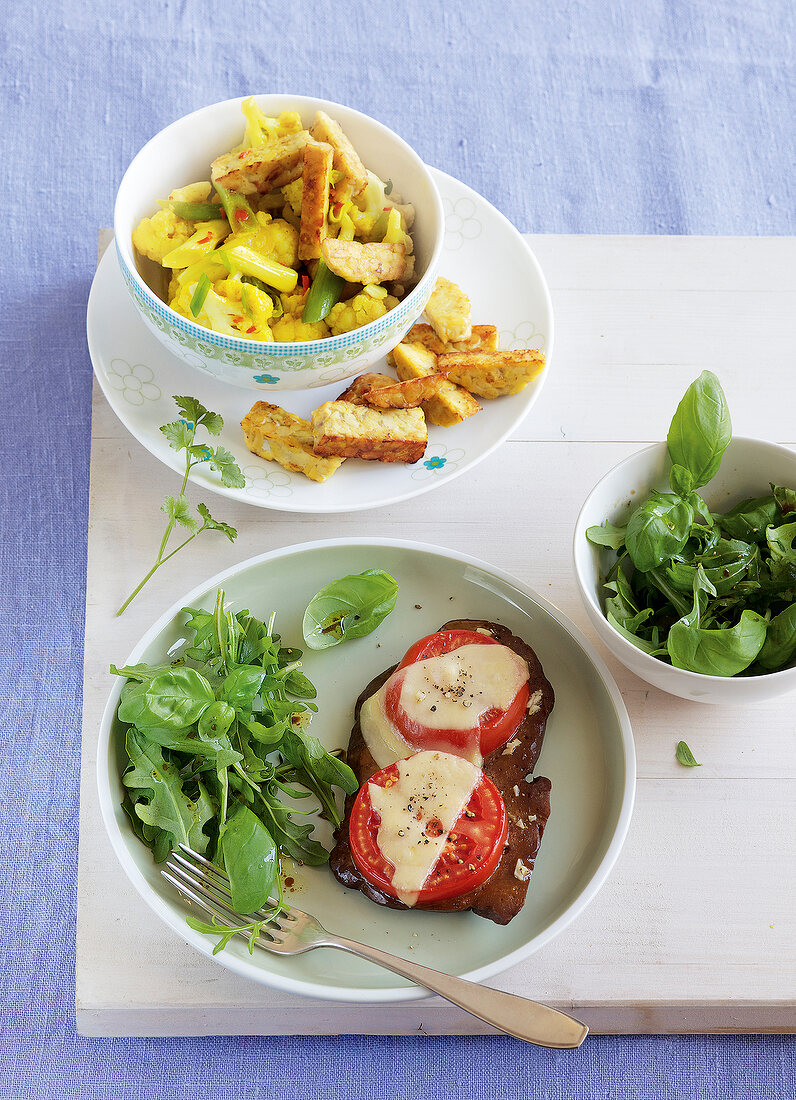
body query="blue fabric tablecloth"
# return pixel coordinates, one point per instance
(634, 116)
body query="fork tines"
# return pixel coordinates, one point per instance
(207, 886)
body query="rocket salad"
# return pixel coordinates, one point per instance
(710, 592)
(220, 755)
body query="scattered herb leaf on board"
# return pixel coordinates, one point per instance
(709, 592)
(685, 756)
(181, 436)
(217, 743)
(350, 607)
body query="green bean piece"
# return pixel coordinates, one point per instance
(324, 293)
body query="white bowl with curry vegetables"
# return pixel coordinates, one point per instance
(278, 241)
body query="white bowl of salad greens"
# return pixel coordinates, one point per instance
(685, 559)
(284, 352)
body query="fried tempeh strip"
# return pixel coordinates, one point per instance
(346, 158)
(277, 435)
(364, 263)
(410, 394)
(448, 310)
(314, 199)
(482, 338)
(492, 373)
(451, 404)
(356, 431)
(262, 169)
(362, 384)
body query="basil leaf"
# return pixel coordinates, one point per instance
(681, 480)
(172, 699)
(685, 756)
(717, 652)
(249, 854)
(607, 535)
(658, 530)
(701, 429)
(780, 644)
(350, 607)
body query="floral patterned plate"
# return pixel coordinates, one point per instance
(484, 254)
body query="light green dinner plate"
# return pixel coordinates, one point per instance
(588, 754)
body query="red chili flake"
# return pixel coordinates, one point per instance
(242, 155)
(338, 206)
(204, 240)
(305, 282)
(242, 215)
(238, 320)
(386, 208)
(252, 328)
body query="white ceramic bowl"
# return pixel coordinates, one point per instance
(588, 755)
(746, 470)
(182, 154)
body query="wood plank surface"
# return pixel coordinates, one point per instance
(694, 930)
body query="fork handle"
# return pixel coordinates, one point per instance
(517, 1016)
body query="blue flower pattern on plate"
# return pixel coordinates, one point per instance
(270, 378)
(435, 463)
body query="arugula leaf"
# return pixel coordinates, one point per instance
(160, 799)
(685, 756)
(350, 607)
(607, 535)
(304, 750)
(785, 498)
(701, 429)
(749, 519)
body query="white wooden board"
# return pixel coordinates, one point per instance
(695, 929)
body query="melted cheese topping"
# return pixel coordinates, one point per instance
(418, 812)
(449, 692)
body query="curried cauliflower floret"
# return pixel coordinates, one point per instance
(231, 288)
(281, 239)
(155, 237)
(357, 311)
(291, 328)
(292, 192)
(180, 298)
(192, 192)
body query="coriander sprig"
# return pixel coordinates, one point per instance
(181, 435)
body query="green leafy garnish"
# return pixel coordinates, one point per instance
(216, 741)
(685, 756)
(709, 592)
(350, 607)
(181, 436)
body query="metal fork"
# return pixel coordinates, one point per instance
(294, 932)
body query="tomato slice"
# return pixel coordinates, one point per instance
(471, 852)
(494, 727)
(444, 641)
